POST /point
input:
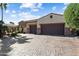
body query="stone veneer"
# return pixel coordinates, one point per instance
(67, 31)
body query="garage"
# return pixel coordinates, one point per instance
(33, 29)
(52, 29)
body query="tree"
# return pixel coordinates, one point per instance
(2, 7)
(12, 23)
(71, 16)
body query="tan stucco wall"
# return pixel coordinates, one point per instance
(26, 29)
(47, 19)
(31, 23)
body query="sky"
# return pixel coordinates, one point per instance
(17, 12)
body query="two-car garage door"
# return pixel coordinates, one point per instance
(52, 29)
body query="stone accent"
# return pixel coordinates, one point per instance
(25, 30)
(67, 32)
(28, 29)
(38, 29)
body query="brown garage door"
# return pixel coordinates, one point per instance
(52, 29)
(33, 29)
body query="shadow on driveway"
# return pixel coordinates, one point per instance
(5, 47)
(6, 43)
(22, 40)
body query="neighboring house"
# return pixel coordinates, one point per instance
(51, 24)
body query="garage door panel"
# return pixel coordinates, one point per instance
(52, 29)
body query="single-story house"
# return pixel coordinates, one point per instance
(51, 24)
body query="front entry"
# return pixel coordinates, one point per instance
(33, 29)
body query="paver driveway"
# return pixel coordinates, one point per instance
(44, 45)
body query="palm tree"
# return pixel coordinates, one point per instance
(2, 6)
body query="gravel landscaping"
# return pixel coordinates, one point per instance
(39, 45)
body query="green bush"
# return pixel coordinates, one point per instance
(71, 15)
(14, 34)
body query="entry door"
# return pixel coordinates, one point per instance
(33, 29)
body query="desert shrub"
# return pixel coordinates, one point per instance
(14, 34)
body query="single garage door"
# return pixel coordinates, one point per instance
(52, 29)
(33, 29)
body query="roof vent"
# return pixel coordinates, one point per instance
(51, 16)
